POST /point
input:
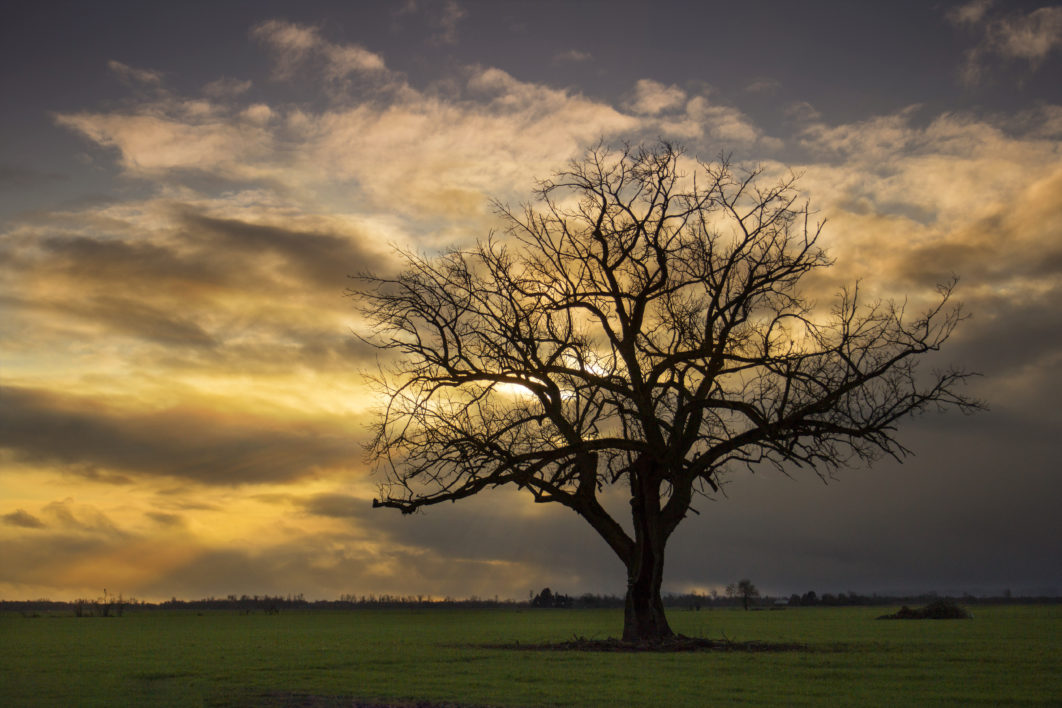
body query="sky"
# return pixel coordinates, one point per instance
(186, 187)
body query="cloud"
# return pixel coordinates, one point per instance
(22, 519)
(572, 56)
(1017, 246)
(71, 516)
(911, 203)
(1018, 379)
(201, 445)
(296, 45)
(652, 97)
(993, 216)
(166, 519)
(201, 288)
(696, 121)
(1030, 37)
(179, 135)
(450, 14)
(948, 518)
(970, 13)
(308, 256)
(724, 124)
(337, 506)
(802, 111)
(226, 87)
(488, 138)
(765, 86)
(132, 75)
(1013, 36)
(490, 142)
(951, 171)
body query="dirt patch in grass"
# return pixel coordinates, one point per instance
(676, 644)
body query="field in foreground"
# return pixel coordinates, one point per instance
(1005, 655)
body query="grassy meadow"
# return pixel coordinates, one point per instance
(1006, 655)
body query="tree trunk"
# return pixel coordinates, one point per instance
(643, 617)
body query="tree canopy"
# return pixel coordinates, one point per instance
(640, 323)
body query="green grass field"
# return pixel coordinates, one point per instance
(1004, 656)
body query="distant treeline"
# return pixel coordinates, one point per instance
(811, 599)
(114, 606)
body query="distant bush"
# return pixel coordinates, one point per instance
(547, 598)
(938, 609)
(106, 606)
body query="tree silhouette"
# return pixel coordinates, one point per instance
(743, 589)
(640, 326)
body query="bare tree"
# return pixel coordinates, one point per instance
(743, 589)
(640, 326)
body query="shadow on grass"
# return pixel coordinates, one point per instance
(285, 699)
(676, 644)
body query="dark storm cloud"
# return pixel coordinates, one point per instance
(987, 342)
(316, 258)
(23, 519)
(198, 445)
(957, 517)
(995, 251)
